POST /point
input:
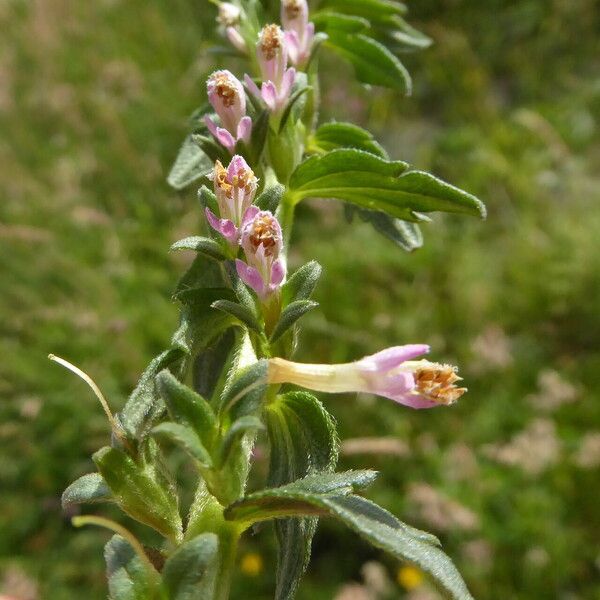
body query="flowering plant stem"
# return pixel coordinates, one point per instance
(228, 376)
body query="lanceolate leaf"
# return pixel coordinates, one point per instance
(187, 439)
(403, 233)
(376, 184)
(89, 489)
(138, 492)
(236, 432)
(241, 313)
(206, 246)
(290, 315)
(302, 283)
(373, 62)
(328, 21)
(303, 439)
(128, 577)
(331, 136)
(190, 573)
(378, 12)
(270, 198)
(371, 522)
(191, 164)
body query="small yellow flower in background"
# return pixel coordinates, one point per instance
(252, 564)
(409, 577)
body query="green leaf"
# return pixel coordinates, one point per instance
(331, 136)
(371, 522)
(185, 406)
(249, 381)
(234, 435)
(303, 439)
(378, 12)
(404, 234)
(187, 439)
(373, 62)
(191, 164)
(138, 492)
(144, 407)
(302, 284)
(328, 21)
(203, 245)
(271, 197)
(88, 489)
(376, 184)
(290, 315)
(241, 313)
(128, 577)
(190, 572)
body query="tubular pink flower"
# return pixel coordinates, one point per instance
(226, 95)
(235, 188)
(262, 242)
(278, 80)
(299, 33)
(391, 373)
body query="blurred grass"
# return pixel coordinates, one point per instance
(93, 100)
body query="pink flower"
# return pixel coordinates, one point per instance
(278, 80)
(235, 188)
(229, 19)
(227, 96)
(391, 373)
(262, 242)
(299, 33)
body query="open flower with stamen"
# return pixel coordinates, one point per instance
(262, 242)
(235, 188)
(299, 32)
(226, 95)
(392, 373)
(278, 80)
(229, 19)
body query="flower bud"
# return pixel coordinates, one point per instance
(299, 33)
(235, 188)
(262, 242)
(226, 95)
(390, 373)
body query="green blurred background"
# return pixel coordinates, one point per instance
(93, 104)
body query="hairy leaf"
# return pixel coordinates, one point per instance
(191, 164)
(203, 245)
(186, 438)
(377, 184)
(88, 489)
(302, 283)
(190, 572)
(290, 315)
(136, 489)
(241, 313)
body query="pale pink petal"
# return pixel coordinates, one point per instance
(393, 357)
(244, 130)
(269, 95)
(236, 165)
(252, 87)
(236, 40)
(223, 226)
(225, 139)
(277, 272)
(415, 401)
(288, 82)
(249, 215)
(293, 45)
(210, 124)
(250, 276)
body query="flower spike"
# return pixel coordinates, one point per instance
(226, 95)
(391, 373)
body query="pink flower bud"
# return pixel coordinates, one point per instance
(299, 33)
(235, 188)
(226, 95)
(262, 242)
(391, 373)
